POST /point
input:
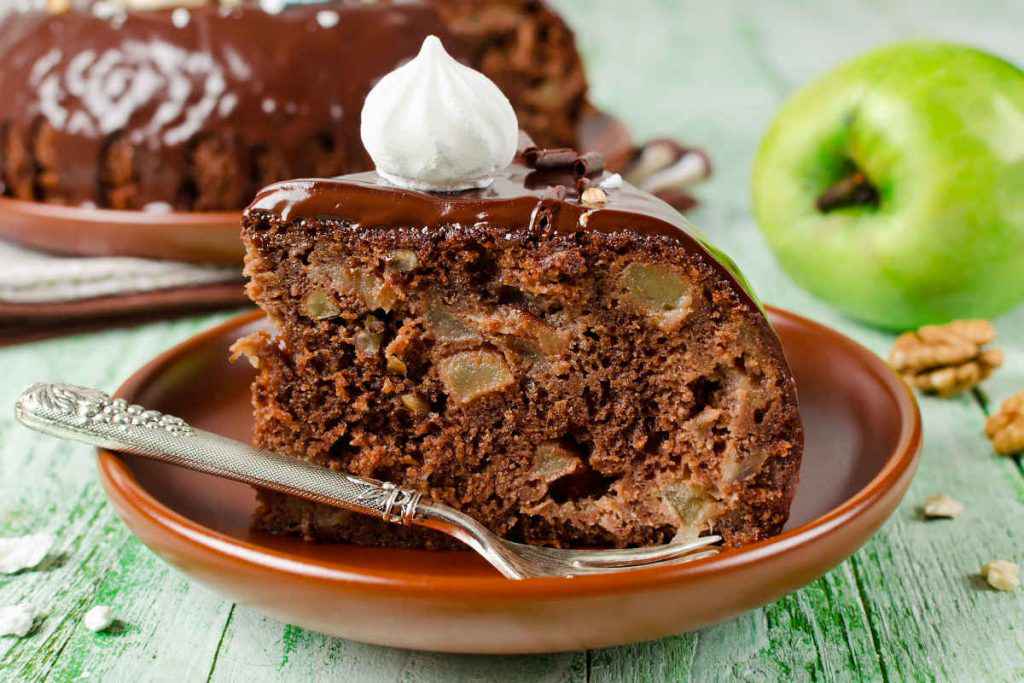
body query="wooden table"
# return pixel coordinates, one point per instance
(907, 606)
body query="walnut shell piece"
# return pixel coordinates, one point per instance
(946, 359)
(1002, 575)
(1006, 427)
(942, 506)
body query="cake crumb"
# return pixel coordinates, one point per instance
(941, 505)
(23, 552)
(99, 618)
(17, 620)
(1005, 429)
(1002, 575)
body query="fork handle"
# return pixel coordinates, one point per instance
(91, 416)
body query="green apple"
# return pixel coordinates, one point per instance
(893, 187)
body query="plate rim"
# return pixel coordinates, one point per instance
(122, 486)
(136, 218)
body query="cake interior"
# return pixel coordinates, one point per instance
(586, 390)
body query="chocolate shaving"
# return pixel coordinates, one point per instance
(582, 184)
(587, 164)
(560, 157)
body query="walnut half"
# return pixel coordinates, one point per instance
(946, 359)
(1006, 428)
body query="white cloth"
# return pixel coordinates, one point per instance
(28, 276)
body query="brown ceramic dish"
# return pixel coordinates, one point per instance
(863, 435)
(196, 236)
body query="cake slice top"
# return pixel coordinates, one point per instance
(541, 200)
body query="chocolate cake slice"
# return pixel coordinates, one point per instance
(537, 344)
(570, 371)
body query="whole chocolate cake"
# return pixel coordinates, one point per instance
(539, 345)
(195, 105)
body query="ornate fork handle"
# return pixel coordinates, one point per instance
(93, 417)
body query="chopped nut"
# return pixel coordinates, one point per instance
(367, 343)
(593, 196)
(248, 347)
(689, 507)
(553, 460)
(319, 305)
(472, 374)
(446, 326)
(377, 294)
(1002, 575)
(941, 505)
(399, 346)
(1006, 428)
(371, 289)
(58, 6)
(946, 359)
(402, 261)
(530, 332)
(659, 292)
(395, 364)
(414, 404)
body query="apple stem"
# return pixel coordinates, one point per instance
(852, 190)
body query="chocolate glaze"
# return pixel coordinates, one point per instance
(74, 84)
(241, 71)
(519, 198)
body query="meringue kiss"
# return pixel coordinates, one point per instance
(434, 124)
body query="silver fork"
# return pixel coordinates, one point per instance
(93, 417)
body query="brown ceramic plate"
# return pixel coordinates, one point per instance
(863, 434)
(196, 236)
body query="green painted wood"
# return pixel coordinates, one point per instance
(256, 646)
(51, 485)
(906, 607)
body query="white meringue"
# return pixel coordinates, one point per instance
(436, 125)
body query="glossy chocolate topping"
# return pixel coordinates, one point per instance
(519, 198)
(199, 107)
(165, 80)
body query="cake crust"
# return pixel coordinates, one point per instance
(566, 374)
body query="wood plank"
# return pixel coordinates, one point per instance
(257, 648)
(50, 485)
